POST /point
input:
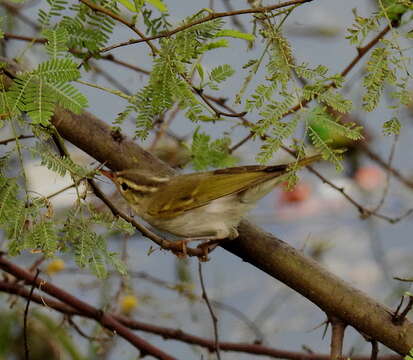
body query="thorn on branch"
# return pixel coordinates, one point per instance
(398, 318)
(374, 350)
(117, 135)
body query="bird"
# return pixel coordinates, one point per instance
(201, 205)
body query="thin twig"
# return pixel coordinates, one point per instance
(108, 57)
(360, 53)
(241, 142)
(26, 315)
(209, 17)
(211, 311)
(83, 334)
(217, 112)
(20, 137)
(388, 175)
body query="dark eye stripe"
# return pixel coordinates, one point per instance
(124, 186)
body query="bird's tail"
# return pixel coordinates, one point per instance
(309, 160)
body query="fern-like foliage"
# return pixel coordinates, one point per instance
(39, 101)
(378, 73)
(335, 100)
(56, 163)
(8, 198)
(43, 237)
(326, 95)
(280, 131)
(81, 36)
(63, 70)
(90, 248)
(15, 227)
(167, 82)
(275, 98)
(37, 92)
(323, 147)
(155, 25)
(304, 71)
(281, 59)
(30, 225)
(67, 96)
(361, 28)
(110, 222)
(85, 29)
(24, 226)
(330, 128)
(272, 112)
(392, 126)
(56, 7)
(207, 153)
(262, 94)
(219, 74)
(57, 39)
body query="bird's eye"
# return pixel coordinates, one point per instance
(124, 186)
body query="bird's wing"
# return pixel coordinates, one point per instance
(190, 191)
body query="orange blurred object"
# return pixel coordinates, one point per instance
(299, 193)
(369, 177)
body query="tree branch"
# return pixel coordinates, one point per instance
(178, 334)
(105, 319)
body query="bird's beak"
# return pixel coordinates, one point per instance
(109, 174)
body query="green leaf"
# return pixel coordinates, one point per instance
(280, 131)
(221, 43)
(235, 34)
(68, 96)
(323, 147)
(378, 72)
(200, 70)
(330, 129)
(56, 8)
(58, 70)
(56, 42)
(134, 7)
(111, 222)
(8, 197)
(221, 73)
(336, 101)
(16, 219)
(56, 163)
(207, 153)
(158, 4)
(40, 102)
(392, 127)
(130, 5)
(43, 237)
